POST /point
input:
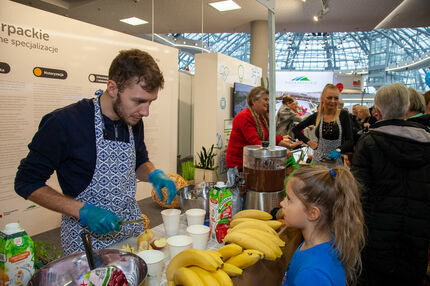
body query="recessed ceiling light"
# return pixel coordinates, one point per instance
(134, 21)
(225, 5)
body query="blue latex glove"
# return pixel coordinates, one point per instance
(159, 180)
(98, 220)
(334, 154)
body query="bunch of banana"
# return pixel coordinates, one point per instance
(192, 257)
(253, 229)
(243, 260)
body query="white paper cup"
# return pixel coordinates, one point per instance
(199, 235)
(178, 243)
(171, 221)
(195, 216)
(154, 259)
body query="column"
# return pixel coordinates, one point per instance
(259, 45)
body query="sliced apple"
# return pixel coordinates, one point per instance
(159, 243)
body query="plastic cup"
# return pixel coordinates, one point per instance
(154, 259)
(195, 216)
(171, 221)
(199, 235)
(178, 243)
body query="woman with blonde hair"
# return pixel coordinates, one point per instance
(366, 119)
(324, 204)
(333, 128)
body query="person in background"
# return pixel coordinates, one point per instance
(392, 164)
(250, 127)
(324, 204)
(287, 116)
(417, 108)
(97, 148)
(340, 103)
(332, 128)
(366, 119)
(355, 110)
(427, 100)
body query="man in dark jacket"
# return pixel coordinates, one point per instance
(392, 163)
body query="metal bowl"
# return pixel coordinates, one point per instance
(67, 270)
(195, 196)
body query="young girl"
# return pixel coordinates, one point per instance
(325, 205)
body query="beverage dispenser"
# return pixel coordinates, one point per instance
(264, 170)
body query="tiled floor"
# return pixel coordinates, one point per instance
(147, 206)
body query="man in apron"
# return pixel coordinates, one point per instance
(97, 148)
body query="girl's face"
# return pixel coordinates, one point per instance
(294, 209)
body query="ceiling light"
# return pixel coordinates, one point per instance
(303, 1)
(225, 5)
(134, 21)
(316, 18)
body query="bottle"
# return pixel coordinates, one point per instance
(16, 256)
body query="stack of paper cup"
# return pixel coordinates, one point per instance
(171, 221)
(195, 216)
(199, 235)
(154, 259)
(178, 243)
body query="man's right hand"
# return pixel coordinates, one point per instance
(98, 220)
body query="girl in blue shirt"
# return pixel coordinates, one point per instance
(325, 205)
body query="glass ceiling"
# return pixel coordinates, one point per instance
(360, 52)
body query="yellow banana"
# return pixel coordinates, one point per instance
(265, 238)
(250, 242)
(207, 278)
(261, 234)
(230, 250)
(272, 223)
(257, 214)
(216, 256)
(232, 270)
(170, 283)
(254, 252)
(255, 224)
(191, 257)
(222, 278)
(274, 237)
(186, 277)
(244, 260)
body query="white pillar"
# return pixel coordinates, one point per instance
(259, 46)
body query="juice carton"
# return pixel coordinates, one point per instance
(220, 203)
(16, 256)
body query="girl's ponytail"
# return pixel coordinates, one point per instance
(348, 222)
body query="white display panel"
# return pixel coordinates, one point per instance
(307, 82)
(212, 91)
(73, 55)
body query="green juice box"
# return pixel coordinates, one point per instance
(16, 256)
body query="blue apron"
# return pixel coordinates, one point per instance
(112, 187)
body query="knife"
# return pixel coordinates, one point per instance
(131, 221)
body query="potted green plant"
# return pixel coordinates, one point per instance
(188, 168)
(205, 170)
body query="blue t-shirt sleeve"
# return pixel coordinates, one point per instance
(311, 277)
(47, 149)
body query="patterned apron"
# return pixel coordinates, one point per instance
(112, 187)
(325, 146)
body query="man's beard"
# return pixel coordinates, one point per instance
(117, 107)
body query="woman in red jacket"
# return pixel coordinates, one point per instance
(250, 127)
